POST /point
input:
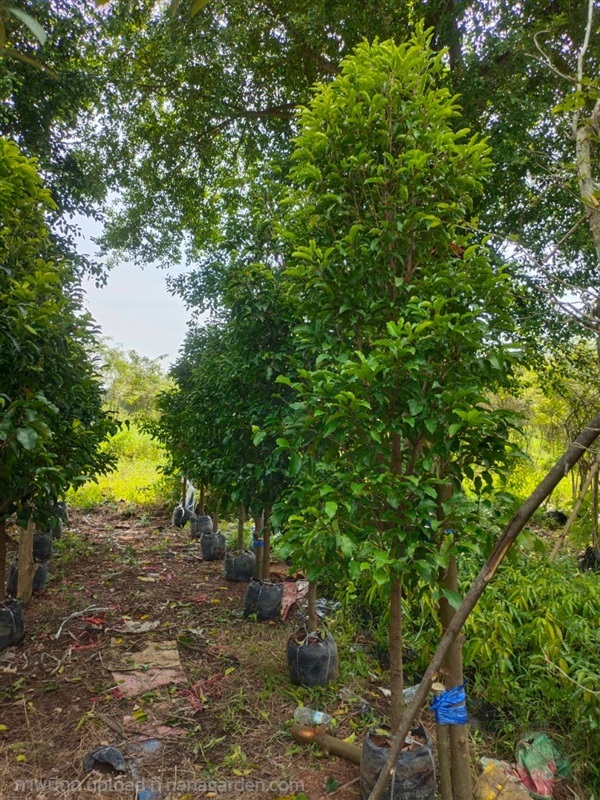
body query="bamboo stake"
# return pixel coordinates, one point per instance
(573, 516)
(572, 455)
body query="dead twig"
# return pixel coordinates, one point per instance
(78, 614)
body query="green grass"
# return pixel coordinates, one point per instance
(137, 479)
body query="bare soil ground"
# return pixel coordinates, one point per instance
(223, 732)
(229, 721)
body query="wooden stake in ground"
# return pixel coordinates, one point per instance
(2, 560)
(575, 451)
(573, 515)
(26, 565)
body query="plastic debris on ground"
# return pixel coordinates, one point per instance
(539, 764)
(104, 759)
(138, 626)
(293, 591)
(497, 782)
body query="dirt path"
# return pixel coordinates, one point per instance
(227, 721)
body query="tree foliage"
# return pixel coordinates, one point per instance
(407, 320)
(131, 381)
(204, 97)
(51, 415)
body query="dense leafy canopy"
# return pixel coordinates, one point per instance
(51, 416)
(407, 322)
(193, 102)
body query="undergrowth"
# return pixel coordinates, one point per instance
(137, 479)
(530, 657)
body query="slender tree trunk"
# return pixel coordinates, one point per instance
(241, 521)
(442, 736)
(460, 760)
(2, 561)
(572, 517)
(259, 523)
(201, 511)
(595, 512)
(183, 491)
(26, 566)
(396, 664)
(215, 518)
(266, 569)
(313, 618)
(580, 446)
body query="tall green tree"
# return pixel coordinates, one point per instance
(406, 318)
(52, 419)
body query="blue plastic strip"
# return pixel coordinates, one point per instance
(450, 707)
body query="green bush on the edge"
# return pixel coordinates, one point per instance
(52, 421)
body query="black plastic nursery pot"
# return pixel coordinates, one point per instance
(240, 565)
(200, 526)
(12, 623)
(213, 546)
(312, 658)
(42, 546)
(263, 598)
(414, 777)
(39, 578)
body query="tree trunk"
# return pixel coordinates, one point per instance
(313, 618)
(572, 517)
(581, 444)
(460, 760)
(396, 665)
(201, 511)
(266, 568)
(442, 736)
(215, 518)
(2, 561)
(26, 566)
(183, 491)
(241, 521)
(595, 513)
(259, 523)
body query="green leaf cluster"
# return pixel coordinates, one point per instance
(51, 416)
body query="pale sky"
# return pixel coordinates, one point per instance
(134, 309)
